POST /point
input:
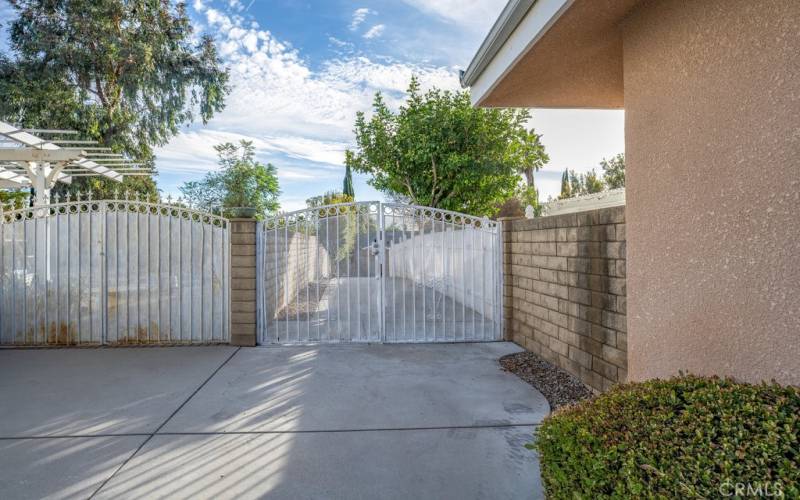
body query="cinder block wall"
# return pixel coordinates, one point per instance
(243, 282)
(565, 292)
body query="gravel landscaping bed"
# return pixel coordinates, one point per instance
(559, 387)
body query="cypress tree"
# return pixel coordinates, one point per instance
(566, 189)
(347, 188)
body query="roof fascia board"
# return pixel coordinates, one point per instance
(529, 29)
(502, 28)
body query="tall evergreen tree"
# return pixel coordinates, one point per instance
(566, 186)
(575, 184)
(347, 188)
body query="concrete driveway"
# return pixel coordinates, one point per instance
(358, 421)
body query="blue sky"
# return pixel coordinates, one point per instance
(300, 70)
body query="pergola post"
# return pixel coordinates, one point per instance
(39, 163)
(40, 185)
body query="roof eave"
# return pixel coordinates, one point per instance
(506, 23)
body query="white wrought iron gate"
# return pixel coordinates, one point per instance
(378, 272)
(113, 272)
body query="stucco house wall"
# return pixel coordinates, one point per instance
(711, 92)
(712, 133)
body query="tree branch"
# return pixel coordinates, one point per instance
(435, 180)
(407, 183)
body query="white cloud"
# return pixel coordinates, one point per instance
(476, 15)
(359, 15)
(276, 93)
(193, 151)
(300, 117)
(389, 76)
(338, 43)
(375, 31)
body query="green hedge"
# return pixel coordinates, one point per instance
(687, 437)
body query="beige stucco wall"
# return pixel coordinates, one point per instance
(712, 103)
(577, 63)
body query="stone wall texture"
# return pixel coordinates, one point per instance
(565, 292)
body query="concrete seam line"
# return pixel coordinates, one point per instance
(345, 431)
(310, 431)
(74, 436)
(150, 436)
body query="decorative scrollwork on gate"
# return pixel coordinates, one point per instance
(308, 217)
(428, 214)
(135, 206)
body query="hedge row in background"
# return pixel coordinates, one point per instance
(687, 437)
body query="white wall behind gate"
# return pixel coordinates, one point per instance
(462, 264)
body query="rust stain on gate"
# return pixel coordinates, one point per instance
(109, 289)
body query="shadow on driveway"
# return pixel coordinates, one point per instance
(353, 421)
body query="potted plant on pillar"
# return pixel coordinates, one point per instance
(242, 188)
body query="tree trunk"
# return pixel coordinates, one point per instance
(529, 176)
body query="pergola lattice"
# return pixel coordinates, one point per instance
(38, 158)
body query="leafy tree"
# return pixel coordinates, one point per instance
(614, 171)
(591, 183)
(127, 73)
(241, 182)
(573, 184)
(529, 195)
(348, 183)
(352, 226)
(13, 198)
(440, 151)
(528, 152)
(329, 198)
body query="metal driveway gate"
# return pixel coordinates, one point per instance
(378, 272)
(113, 272)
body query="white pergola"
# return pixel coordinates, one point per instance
(39, 158)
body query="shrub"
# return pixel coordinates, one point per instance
(688, 437)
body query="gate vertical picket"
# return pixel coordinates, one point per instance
(443, 265)
(109, 272)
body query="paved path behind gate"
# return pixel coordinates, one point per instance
(360, 421)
